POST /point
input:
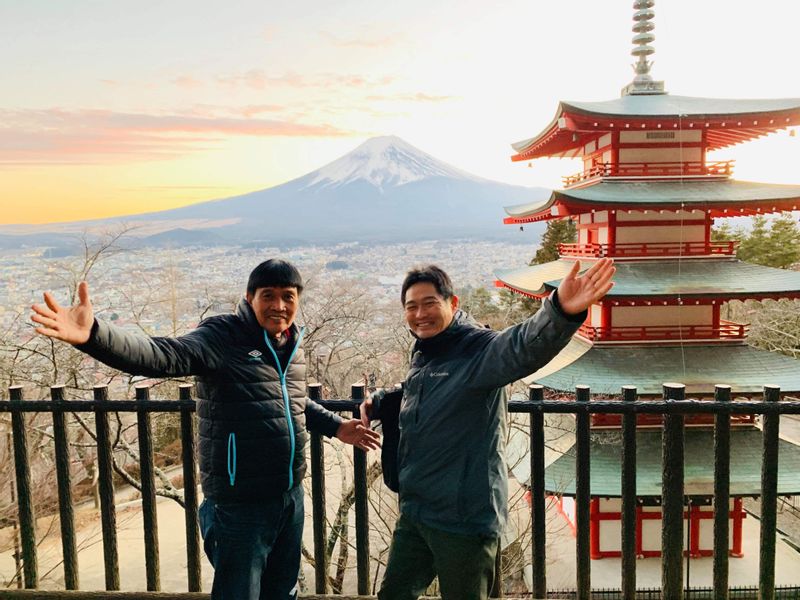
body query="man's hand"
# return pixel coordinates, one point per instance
(577, 293)
(353, 432)
(72, 325)
(365, 408)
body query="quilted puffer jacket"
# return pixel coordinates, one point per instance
(253, 413)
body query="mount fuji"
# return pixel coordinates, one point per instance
(384, 190)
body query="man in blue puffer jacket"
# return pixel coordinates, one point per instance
(453, 480)
(253, 413)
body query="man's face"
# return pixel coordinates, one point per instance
(275, 307)
(427, 313)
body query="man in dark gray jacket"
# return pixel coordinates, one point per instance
(253, 413)
(451, 458)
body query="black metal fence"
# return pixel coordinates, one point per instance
(673, 407)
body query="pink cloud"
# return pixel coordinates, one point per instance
(258, 79)
(187, 82)
(418, 97)
(57, 136)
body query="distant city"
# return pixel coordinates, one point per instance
(124, 281)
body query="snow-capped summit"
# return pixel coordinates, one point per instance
(384, 161)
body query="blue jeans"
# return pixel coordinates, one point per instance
(254, 548)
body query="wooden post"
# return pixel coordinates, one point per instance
(108, 515)
(318, 501)
(722, 487)
(769, 497)
(672, 450)
(27, 517)
(149, 514)
(193, 572)
(63, 476)
(628, 493)
(538, 538)
(362, 511)
(582, 497)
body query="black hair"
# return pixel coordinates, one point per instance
(274, 273)
(428, 274)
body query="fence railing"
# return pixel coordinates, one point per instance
(674, 407)
(726, 330)
(650, 249)
(653, 169)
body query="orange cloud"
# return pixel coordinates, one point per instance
(57, 136)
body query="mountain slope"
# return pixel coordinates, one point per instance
(384, 190)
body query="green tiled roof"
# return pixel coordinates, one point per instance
(723, 277)
(724, 193)
(605, 369)
(606, 465)
(667, 105)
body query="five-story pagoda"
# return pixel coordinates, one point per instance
(648, 196)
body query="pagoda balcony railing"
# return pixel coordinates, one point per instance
(644, 169)
(652, 249)
(727, 330)
(674, 408)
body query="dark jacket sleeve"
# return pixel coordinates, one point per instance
(525, 348)
(198, 352)
(321, 420)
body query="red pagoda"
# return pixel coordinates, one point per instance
(647, 196)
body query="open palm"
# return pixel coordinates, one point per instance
(576, 292)
(68, 324)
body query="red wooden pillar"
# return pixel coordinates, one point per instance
(694, 542)
(594, 528)
(639, 552)
(738, 516)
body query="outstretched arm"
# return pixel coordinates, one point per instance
(522, 349)
(197, 352)
(68, 324)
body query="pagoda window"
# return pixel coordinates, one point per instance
(660, 137)
(605, 140)
(660, 155)
(661, 234)
(658, 316)
(685, 216)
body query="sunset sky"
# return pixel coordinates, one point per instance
(111, 108)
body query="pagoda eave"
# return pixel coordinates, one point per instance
(721, 197)
(605, 369)
(725, 122)
(672, 281)
(605, 457)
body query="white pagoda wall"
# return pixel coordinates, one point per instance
(639, 316)
(660, 137)
(656, 234)
(660, 155)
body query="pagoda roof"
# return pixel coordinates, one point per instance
(606, 464)
(689, 278)
(721, 196)
(605, 369)
(725, 121)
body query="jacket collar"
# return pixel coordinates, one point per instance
(245, 312)
(459, 326)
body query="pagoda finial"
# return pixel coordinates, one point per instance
(643, 28)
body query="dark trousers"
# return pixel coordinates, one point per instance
(463, 563)
(254, 548)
